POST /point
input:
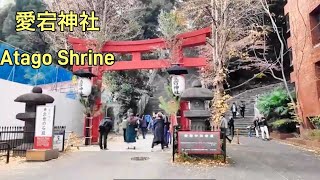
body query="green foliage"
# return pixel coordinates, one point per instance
(127, 87)
(149, 21)
(25, 40)
(285, 125)
(170, 24)
(275, 104)
(170, 106)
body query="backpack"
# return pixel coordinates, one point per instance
(105, 124)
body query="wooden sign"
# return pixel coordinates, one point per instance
(195, 142)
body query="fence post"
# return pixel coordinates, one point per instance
(238, 140)
(8, 153)
(8, 150)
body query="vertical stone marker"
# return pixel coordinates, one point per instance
(39, 118)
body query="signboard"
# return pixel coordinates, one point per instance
(58, 142)
(193, 142)
(44, 127)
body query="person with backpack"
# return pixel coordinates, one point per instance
(105, 127)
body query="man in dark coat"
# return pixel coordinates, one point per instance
(158, 131)
(105, 127)
(166, 131)
(231, 126)
(242, 109)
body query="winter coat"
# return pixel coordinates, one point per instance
(158, 130)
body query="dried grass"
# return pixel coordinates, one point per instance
(74, 142)
(202, 161)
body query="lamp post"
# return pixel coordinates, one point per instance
(178, 86)
(84, 90)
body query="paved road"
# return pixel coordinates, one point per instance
(253, 159)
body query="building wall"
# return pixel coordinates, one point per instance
(305, 46)
(68, 111)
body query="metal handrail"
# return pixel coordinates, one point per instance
(8, 150)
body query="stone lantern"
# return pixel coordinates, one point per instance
(32, 100)
(197, 113)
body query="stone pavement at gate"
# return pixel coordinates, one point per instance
(116, 144)
(253, 159)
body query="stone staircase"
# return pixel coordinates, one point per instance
(248, 97)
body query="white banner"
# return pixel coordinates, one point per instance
(44, 121)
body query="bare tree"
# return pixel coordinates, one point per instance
(237, 30)
(280, 60)
(171, 24)
(118, 20)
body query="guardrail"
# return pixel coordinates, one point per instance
(8, 150)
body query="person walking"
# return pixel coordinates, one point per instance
(242, 109)
(223, 128)
(166, 130)
(151, 123)
(105, 127)
(131, 132)
(138, 125)
(234, 110)
(231, 126)
(143, 127)
(158, 131)
(264, 128)
(147, 118)
(256, 126)
(124, 125)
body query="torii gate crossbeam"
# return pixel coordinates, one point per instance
(135, 49)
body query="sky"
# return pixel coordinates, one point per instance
(4, 2)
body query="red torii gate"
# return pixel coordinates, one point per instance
(136, 48)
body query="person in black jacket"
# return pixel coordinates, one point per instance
(105, 127)
(231, 126)
(256, 126)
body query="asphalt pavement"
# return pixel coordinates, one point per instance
(252, 159)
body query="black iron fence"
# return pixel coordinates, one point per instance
(18, 137)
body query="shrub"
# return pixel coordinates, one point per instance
(275, 104)
(284, 125)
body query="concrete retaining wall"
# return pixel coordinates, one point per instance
(68, 111)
